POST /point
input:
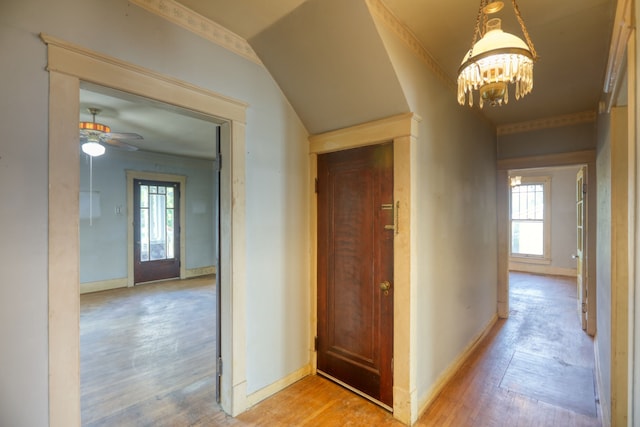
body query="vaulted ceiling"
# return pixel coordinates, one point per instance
(330, 61)
(327, 52)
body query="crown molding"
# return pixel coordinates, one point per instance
(547, 123)
(199, 25)
(385, 16)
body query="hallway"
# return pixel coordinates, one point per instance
(534, 369)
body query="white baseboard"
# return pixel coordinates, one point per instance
(603, 410)
(542, 269)
(448, 374)
(199, 271)
(103, 285)
(277, 386)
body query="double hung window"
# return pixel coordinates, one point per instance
(530, 219)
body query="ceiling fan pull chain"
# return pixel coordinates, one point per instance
(91, 191)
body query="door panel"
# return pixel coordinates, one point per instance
(355, 256)
(156, 230)
(581, 265)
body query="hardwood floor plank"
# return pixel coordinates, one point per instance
(148, 354)
(162, 374)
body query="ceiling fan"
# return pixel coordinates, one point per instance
(94, 136)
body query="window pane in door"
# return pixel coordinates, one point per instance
(144, 196)
(170, 233)
(170, 198)
(144, 234)
(157, 229)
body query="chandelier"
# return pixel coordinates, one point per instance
(495, 61)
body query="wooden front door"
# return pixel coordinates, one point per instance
(156, 228)
(355, 269)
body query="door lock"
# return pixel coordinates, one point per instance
(385, 286)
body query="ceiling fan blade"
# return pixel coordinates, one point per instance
(116, 143)
(122, 135)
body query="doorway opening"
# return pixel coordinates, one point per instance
(68, 64)
(146, 333)
(546, 226)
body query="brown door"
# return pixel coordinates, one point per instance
(156, 227)
(355, 269)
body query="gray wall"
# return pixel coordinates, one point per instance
(453, 192)
(548, 141)
(277, 230)
(103, 240)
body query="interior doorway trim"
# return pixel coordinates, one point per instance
(403, 131)
(154, 176)
(69, 64)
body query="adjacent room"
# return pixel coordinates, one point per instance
(148, 258)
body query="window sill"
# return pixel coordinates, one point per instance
(529, 260)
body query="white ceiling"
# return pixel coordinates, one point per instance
(164, 128)
(304, 42)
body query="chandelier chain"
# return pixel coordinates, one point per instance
(524, 30)
(477, 32)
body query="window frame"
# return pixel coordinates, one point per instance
(545, 258)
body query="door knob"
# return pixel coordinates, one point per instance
(385, 286)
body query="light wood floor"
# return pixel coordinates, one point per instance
(145, 361)
(147, 355)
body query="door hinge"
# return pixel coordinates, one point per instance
(316, 185)
(315, 344)
(584, 307)
(584, 188)
(219, 367)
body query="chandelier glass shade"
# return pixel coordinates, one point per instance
(497, 60)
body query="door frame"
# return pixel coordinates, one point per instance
(153, 176)
(586, 157)
(581, 234)
(402, 131)
(68, 64)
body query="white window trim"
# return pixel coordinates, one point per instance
(546, 256)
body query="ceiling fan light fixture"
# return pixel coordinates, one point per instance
(93, 148)
(93, 126)
(92, 131)
(495, 61)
